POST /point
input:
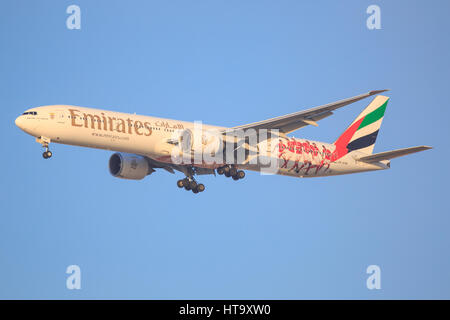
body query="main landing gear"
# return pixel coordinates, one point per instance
(231, 171)
(45, 142)
(190, 184)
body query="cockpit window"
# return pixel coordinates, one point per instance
(33, 113)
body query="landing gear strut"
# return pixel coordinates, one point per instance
(45, 142)
(231, 171)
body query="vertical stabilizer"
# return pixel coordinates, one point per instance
(363, 131)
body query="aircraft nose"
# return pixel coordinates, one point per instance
(20, 122)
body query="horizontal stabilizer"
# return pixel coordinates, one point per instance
(392, 154)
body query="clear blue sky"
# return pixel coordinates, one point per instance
(225, 63)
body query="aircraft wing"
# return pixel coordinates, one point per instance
(297, 120)
(392, 154)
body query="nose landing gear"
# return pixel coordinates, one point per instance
(45, 142)
(47, 154)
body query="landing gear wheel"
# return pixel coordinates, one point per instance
(233, 171)
(47, 154)
(227, 174)
(241, 174)
(201, 187)
(235, 177)
(220, 171)
(193, 185)
(187, 188)
(226, 170)
(195, 190)
(180, 183)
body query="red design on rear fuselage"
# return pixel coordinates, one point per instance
(309, 156)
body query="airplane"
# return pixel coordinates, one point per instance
(143, 143)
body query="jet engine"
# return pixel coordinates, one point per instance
(129, 166)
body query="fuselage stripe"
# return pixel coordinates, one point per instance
(375, 115)
(363, 142)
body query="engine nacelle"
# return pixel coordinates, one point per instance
(129, 166)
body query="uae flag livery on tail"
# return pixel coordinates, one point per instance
(363, 131)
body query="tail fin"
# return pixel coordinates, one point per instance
(363, 131)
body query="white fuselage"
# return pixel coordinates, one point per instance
(148, 136)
